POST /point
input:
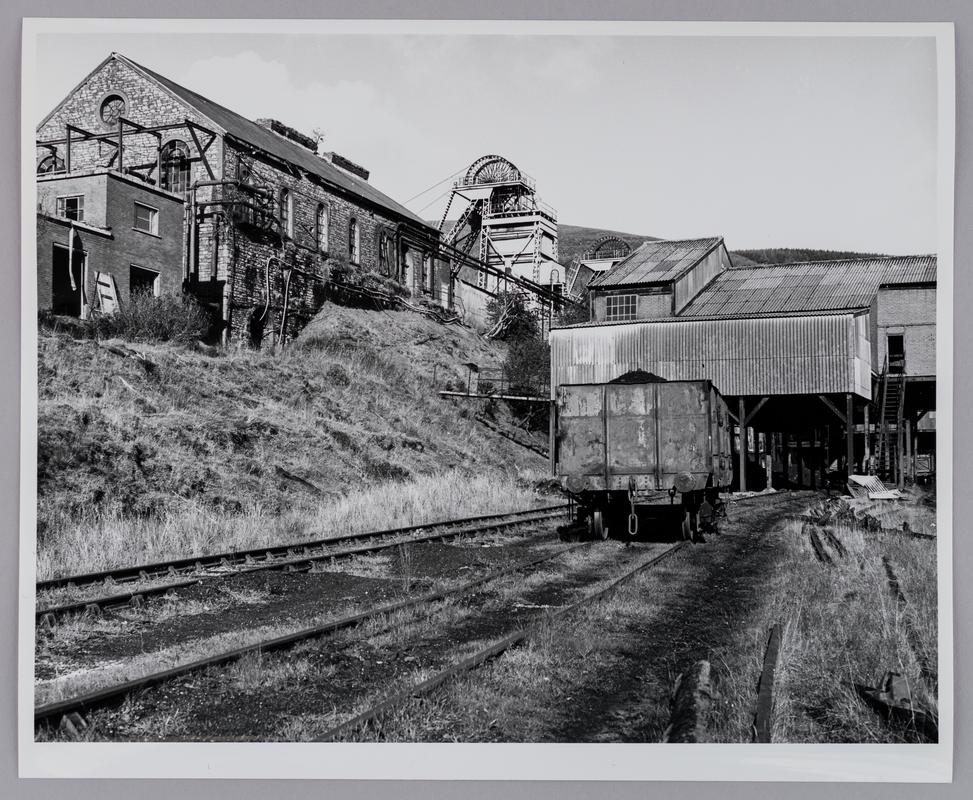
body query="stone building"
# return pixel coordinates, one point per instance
(262, 217)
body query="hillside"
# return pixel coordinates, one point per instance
(791, 255)
(573, 240)
(202, 448)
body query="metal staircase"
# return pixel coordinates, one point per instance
(891, 422)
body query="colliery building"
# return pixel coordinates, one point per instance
(144, 185)
(827, 366)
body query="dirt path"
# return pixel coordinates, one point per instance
(722, 588)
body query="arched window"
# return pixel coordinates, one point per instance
(175, 166)
(286, 217)
(50, 163)
(321, 228)
(354, 241)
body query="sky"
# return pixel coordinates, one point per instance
(818, 142)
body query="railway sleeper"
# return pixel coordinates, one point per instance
(691, 700)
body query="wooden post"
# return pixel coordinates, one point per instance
(785, 457)
(742, 408)
(800, 459)
(814, 458)
(909, 452)
(868, 443)
(850, 431)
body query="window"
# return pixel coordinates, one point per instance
(50, 163)
(321, 228)
(71, 207)
(174, 158)
(386, 254)
(112, 107)
(286, 217)
(621, 307)
(354, 241)
(896, 353)
(142, 281)
(146, 219)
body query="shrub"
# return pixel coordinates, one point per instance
(146, 318)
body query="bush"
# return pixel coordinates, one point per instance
(146, 318)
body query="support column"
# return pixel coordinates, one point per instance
(800, 459)
(868, 443)
(850, 431)
(742, 410)
(909, 452)
(785, 457)
(814, 457)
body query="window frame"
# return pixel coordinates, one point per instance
(153, 218)
(170, 146)
(156, 282)
(323, 242)
(285, 210)
(354, 241)
(617, 307)
(60, 206)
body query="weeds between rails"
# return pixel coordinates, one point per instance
(274, 558)
(362, 720)
(115, 694)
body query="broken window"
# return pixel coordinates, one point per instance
(142, 281)
(322, 228)
(621, 307)
(146, 219)
(175, 166)
(50, 163)
(286, 223)
(71, 207)
(354, 241)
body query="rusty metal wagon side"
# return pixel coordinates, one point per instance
(626, 450)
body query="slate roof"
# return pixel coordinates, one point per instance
(657, 262)
(239, 127)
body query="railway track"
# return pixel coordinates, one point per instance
(293, 557)
(115, 694)
(496, 648)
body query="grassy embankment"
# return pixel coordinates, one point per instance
(342, 431)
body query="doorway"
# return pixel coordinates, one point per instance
(67, 281)
(896, 353)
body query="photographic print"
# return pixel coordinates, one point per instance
(485, 383)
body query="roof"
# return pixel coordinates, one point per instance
(657, 262)
(789, 289)
(239, 127)
(716, 317)
(907, 270)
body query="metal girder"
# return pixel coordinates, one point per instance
(837, 412)
(202, 150)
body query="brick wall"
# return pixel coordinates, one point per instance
(119, 245)
(146, 104)
(912, 313)
(651, 303)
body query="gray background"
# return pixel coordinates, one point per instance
(11, 12)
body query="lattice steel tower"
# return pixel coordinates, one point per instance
(504, 224)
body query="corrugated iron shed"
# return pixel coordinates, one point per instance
(789, 289)
(239, 127)
(657, 262)
(806, 354)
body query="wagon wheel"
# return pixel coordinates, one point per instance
(596, 526)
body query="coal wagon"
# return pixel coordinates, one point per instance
(642, 457)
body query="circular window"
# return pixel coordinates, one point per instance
(112, 107)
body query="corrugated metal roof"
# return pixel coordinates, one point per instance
(250, 132)
(657, 262)
(790, 289)
(909, 270)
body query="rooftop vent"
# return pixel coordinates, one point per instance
(288, 132)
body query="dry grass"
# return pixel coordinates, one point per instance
(844, 627)
(201, 453)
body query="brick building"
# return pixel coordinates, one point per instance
(261, 216)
